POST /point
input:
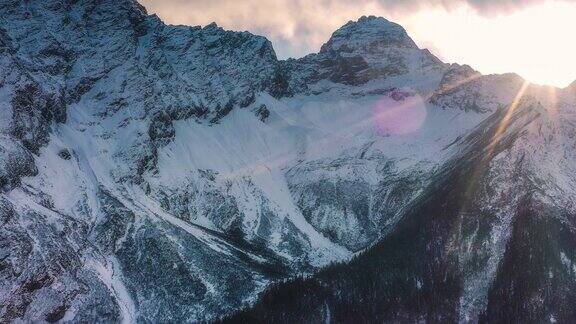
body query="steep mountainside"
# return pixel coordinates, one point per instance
(159, 173)
(491, 239)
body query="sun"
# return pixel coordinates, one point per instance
(535, 42)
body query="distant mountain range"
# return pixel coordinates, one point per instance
(159, 173)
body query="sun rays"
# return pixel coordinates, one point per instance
(505, 122)
(401, 118)
(483, 159)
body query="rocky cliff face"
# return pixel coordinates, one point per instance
(171, 173)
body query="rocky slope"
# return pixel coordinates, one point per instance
(489, 240)
(170, 173)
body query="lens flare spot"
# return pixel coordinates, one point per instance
(399, 114)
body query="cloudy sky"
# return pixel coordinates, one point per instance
(534, 38)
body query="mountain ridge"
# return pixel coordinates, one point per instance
(152, 172)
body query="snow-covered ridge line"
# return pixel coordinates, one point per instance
(207, 169)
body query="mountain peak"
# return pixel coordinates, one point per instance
(368, 33)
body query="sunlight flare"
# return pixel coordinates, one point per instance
(505, 122)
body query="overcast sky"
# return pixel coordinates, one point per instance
(531, 37)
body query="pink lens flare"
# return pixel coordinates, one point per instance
(399, 114)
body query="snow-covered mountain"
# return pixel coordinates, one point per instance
(164, 173)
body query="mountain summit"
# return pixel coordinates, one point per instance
(369, 49)
(154, 173)
(368, 35)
